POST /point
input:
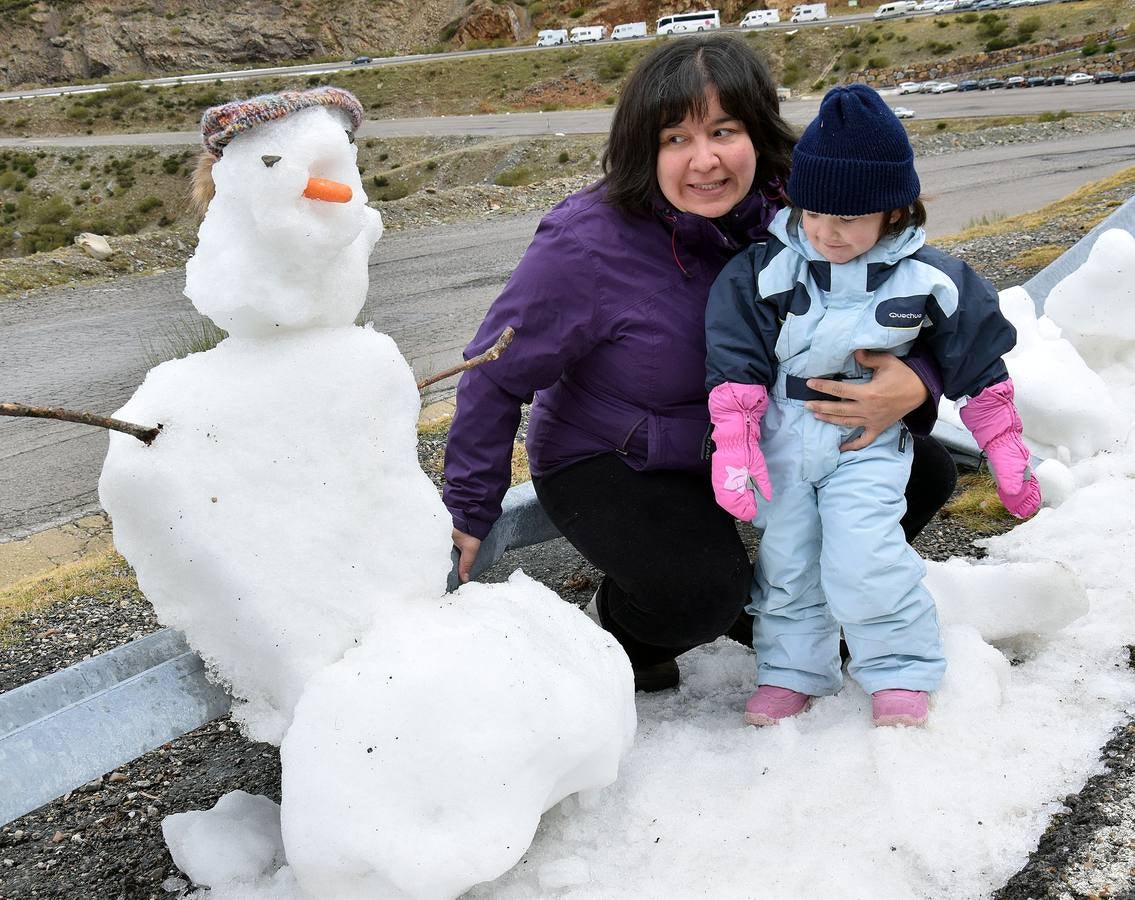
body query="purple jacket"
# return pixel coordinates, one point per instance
(609, 315)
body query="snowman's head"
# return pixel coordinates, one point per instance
(288, 204)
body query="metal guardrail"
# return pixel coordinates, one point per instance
(63, 730)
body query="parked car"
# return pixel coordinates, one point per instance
(1054, 79)
(1015, 81)
(967, 84)
(990, 84)
(1036, 81)
(903, 112)
(1078, 78)
(909, 87)
(944, 87)
(945, 6)
(1127, 76)
(927, 87)
(1104, 77)
(360, 60)
(986, 5)
(925, 5)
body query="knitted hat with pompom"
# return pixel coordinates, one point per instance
(854, 159)
(221, 124)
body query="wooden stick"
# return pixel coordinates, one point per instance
(489, 355)
(142, 433)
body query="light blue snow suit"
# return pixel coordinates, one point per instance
(833, 552)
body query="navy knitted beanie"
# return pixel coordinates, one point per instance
(854, 159)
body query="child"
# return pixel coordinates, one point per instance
(847, 268)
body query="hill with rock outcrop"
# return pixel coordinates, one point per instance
(66, 40)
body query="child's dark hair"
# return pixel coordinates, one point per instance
(915, 215)
(670, 84)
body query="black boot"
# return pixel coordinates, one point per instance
(654, 667)
(658, 677)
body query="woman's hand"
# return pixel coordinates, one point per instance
(892, 392)
(468, 546)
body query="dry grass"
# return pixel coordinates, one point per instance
(106, 576)
(1037, 257)
(977, 506)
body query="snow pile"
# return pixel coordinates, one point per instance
(282, 522)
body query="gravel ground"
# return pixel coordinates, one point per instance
(104, 840)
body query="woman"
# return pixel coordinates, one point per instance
(608, 303)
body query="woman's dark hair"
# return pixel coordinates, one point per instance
(670, 84)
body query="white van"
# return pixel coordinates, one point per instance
(759, 17)
(688, 23)
(809, 12)
(588, 34)
(898, 8)
(550, 37)
(627, 30)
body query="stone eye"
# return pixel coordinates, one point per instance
(350, 137)
(270, 161)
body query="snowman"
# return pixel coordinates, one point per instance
(282, 522)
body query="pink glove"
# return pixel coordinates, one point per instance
(737, 463)
(994, 422)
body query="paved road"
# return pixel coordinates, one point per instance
(1086, 98)
(89, 348)
(86, 348)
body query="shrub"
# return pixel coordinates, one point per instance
(380, 181)
(872, 38)
(149, 204)
(878, 62)
(564, 157)
(1000, 43)
(941, 126)
(576, 13)
(852, 61)
(431, 165)
(514, 177)
(1090, 49)
(1053, 116)
(941, 23)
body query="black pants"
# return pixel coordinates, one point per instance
(676, 572)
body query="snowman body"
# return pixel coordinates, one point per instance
(282, 511)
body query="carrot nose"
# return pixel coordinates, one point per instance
(324, 189)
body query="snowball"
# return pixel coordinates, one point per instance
(281, 509)
(443, 737)
(237, 840)
(1056, 481)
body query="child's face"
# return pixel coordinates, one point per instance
(840, 239)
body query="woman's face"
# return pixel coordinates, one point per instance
(705, 166)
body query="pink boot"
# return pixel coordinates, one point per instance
(769, 704)
(898, 707)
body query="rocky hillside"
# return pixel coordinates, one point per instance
(65, 40)
(51, 41)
